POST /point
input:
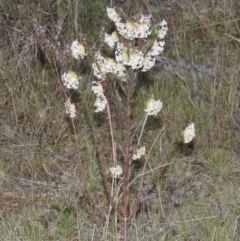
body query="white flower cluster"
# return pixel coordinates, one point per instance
(112, 14)
(131, 30)
(127, 54)
(97, 88)
(116, 171)
(163, 29)
(139, 152)
(156, 49)
(101, 101)
(153, 107)
(70, 80)
(148, 63)
(78, 50)
(107, 65)
(70, 108)
(188, 133)
(112, 39)
(130, 57)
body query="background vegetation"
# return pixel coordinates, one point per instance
(196, 197)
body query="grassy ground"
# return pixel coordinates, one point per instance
(195, 197)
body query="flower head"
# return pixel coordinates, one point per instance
(103, 66)
(78, 50)
(122, 30)
(163, 29)
(112, 39)
(97, 88)
(153, 107)
(142, 30)
(135, 59)
(99, 58)
(148, 63)
(109, 65)
(188, 133)
(157, 47)
(128, 30)
(99, 71)
(100, 103)
(131, 30)
(131, 57)
(121, 54)
(138, 153)
(70, 108)
(116, 171)
(120, 71)
(70, 80)
(112, 14)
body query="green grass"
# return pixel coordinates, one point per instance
(194, 197)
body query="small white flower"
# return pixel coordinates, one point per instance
(112, 14)
(120, 71)
(129, 30)
(135, 59)
(122, 56)
(116, 171)
(163, 30)
(157, 47)
(99, 58)
(130, 57)
(100, 103)
(153, 107)
(70, 108)
(112, 39)
(142, 30)
(139, 152)
(109, 64)
(148, 63)
(103, 66)
(97, 88)
(188, 133)
(126, 29)
(99, 72)
(70, 80)
(78, 50)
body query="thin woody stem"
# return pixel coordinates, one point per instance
(126, 173)
(127, 164)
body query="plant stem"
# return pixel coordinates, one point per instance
(126, 172)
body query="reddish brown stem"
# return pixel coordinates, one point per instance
(126, 173)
